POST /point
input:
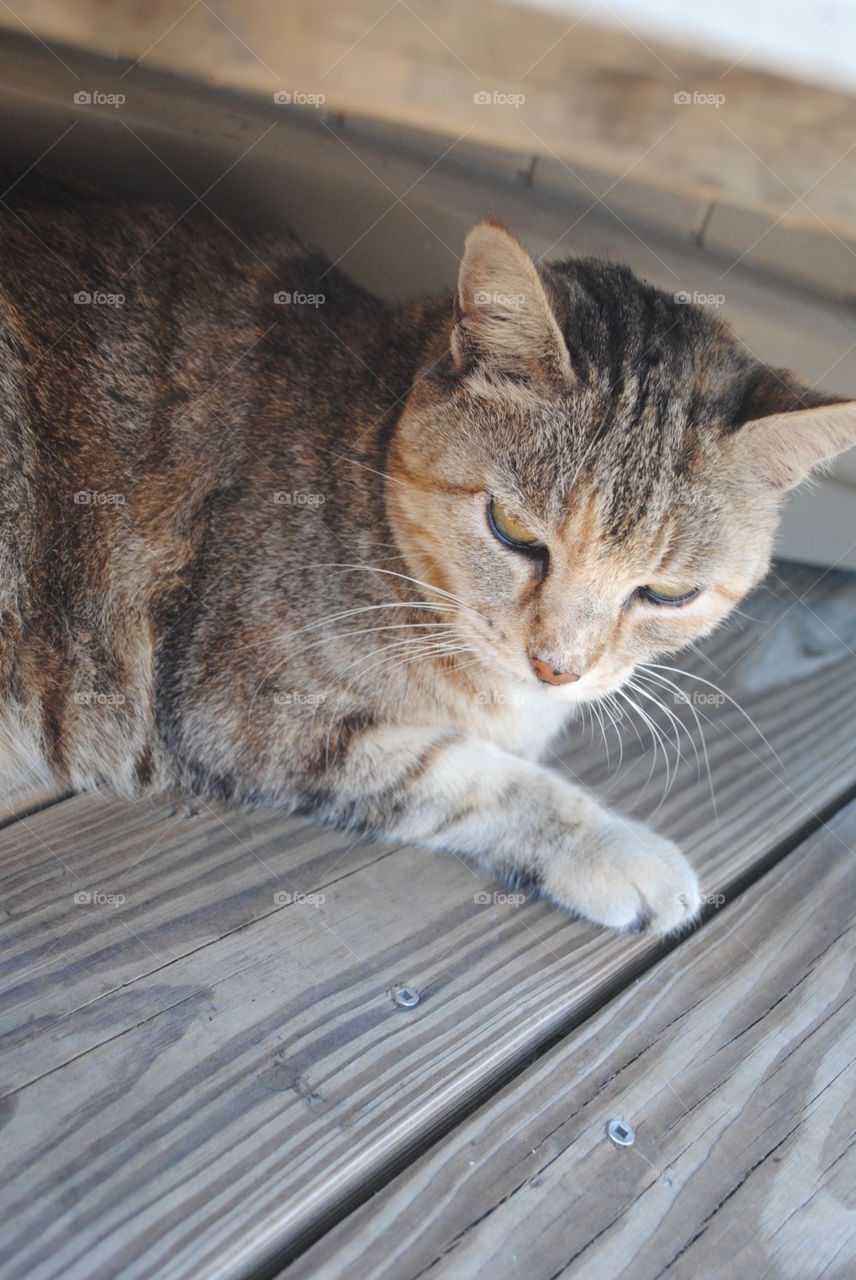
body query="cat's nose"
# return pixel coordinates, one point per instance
(549, 674)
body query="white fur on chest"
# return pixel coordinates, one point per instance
(518, 719)
(22, 764)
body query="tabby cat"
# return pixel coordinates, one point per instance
(269, 539)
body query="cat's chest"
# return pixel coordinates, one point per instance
(517, 720)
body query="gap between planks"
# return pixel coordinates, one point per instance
(647, 964)
(811, 667)
(757, 1129)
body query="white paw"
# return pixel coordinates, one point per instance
(624, 876)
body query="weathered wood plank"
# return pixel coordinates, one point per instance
(197, 1078)
(235, 863)
(28, 798)
(101, 893)
(734, 1059)
(593, 97)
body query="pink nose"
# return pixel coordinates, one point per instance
(549, 675)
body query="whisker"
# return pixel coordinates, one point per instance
(657, 666)
(343, 457)
(440, 591)
(655, 738)
(449, 632)
(671, 773)
(614, 712)
(367, 608)
(670, 684)
(596, 712)
(289, 657)
(449, 649)
(674, 721)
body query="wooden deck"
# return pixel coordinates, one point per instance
(203, 1073)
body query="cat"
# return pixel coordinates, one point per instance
(269, 539)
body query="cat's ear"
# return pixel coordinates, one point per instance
(503, 319)
(786, 429)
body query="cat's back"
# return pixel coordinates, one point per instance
(79, 261)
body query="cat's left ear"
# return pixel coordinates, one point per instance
(503, 319)
(788, 429)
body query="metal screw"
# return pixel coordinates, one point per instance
(621, 1133)
(404, 996)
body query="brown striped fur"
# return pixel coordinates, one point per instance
(283, 588)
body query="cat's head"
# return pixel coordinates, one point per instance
(594, 467)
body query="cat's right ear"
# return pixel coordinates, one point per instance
(503, 320)
(788, 429)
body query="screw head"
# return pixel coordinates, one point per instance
(403, 995)
(621, 1133)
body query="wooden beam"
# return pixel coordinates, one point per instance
(600, 98)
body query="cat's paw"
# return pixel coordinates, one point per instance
(624, 876)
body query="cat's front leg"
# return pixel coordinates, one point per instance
(453, 791)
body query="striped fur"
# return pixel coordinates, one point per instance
(244, 546)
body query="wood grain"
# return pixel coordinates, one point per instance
(599, 98)
(734, 1060)
(394, 212)
(27, 798)
(196, 1077)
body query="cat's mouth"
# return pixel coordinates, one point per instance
(498, 652)
(521, 668)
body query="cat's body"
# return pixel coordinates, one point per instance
(244, 544)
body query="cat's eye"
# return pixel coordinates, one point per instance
(662, 593)
(510, 529)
